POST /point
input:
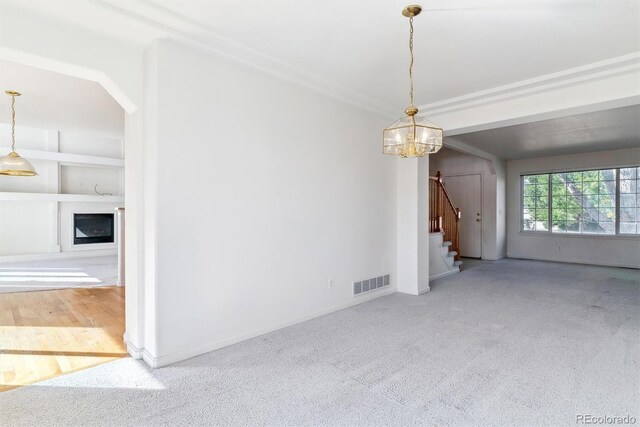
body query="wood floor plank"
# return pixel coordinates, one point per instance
(48, 333)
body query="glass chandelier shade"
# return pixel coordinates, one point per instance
(12, 164)
(412, 135)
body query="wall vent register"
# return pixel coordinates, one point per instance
(370, 284)
(93, 228)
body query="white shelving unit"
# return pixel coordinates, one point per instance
(70, 166)
(51, 187)
(68, 158)
(57, 197)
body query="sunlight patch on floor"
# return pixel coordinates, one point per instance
(71, 275)
(124, 373)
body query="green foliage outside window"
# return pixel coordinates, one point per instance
(581, 202)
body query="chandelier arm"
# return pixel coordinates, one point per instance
(415, 128)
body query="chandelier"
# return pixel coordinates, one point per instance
(411, 136)
(12, 164)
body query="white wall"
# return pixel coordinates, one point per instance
(265, 192)
(92, 144)
(450, 163)
(621, 251)
(45, 182)
(24, 228)
(500, 168)
(89, 179)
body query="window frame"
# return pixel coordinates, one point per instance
(580, 234)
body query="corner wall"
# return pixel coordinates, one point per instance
(271, 201)
(619, 251)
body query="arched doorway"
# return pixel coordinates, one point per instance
(133, 176)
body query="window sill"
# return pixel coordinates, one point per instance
(581, 236)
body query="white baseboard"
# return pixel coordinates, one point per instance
(135, 352)
(576, 261)
(418, 292)
(150, 359)
(445, 274)
(57, 255)
(167, 359)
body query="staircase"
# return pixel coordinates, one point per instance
(444, 231)
(442, 261)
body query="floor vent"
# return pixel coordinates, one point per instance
(370, 285)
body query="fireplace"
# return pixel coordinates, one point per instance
(92, 228)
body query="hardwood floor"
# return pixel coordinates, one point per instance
(47, 333)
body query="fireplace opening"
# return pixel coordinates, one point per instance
(93, 228)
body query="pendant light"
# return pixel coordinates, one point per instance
(412, 136)
(12, 164)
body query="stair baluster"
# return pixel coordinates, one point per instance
(443, 215)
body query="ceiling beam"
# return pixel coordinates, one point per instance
(601, 89)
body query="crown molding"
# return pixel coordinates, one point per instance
(182, 28)
(187, 30)
(591, 72)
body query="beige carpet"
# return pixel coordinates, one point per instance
(505, 343)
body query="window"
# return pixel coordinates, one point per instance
(629, 201)
(604, 201)
(535, 207)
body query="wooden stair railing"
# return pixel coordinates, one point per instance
(443, 215)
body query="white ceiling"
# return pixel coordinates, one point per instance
(461, 46)
(603, 130)
(55, 101)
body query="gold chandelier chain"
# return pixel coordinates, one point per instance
(411, 55)
(13, 124)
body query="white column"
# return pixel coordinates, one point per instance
(412, 222)
(135, 303)
(121, 245)
(422, 227)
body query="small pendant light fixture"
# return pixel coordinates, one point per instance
(411, 136)
(12, 164)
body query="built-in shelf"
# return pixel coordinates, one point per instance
(74, 167)
(68, 157)
(90, 180)
(54, 197)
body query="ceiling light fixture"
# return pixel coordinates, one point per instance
(411, 136)
(12, 164)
